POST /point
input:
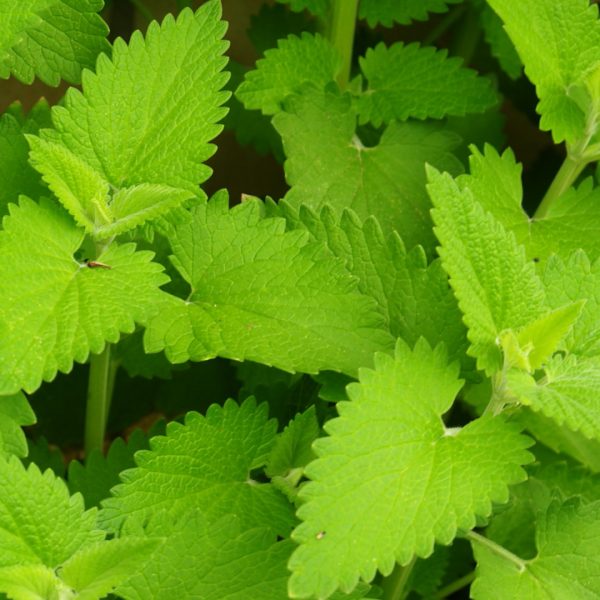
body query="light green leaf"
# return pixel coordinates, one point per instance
(15, 412)
(328, 164)
(497, 288)
(205, 464)
(569, 393)
(50, 39)
(212, 560)
(97, 569)
(98, 154)
(388, 12)
(32, 582)
(567, 564)
(57, 310)
(559, 44)
(259, 293)
(410, 81)
(392, 479)
(284, 70)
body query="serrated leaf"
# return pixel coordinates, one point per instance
(262, 294)
(50, 39)
(285, 69)
(497, 288)
(30, 582)
(386, 180)
(57, 310)
(388, 12)
(389, 456)
(410, 81)
(569, 393)
(205, 464)
(567, 564)
(15, 412)
(559, 44)
(212, 560)
(176, 70)
(44, 456)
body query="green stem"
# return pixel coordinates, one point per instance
(456, 585)
(395, 586)
(498, 399)
(498, 550)
(341, 35)
(466, 41)
(98, 399)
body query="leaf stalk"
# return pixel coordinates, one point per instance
(497, 549)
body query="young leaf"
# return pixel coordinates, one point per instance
(559, 44)
(205, 464)
(284, 70)
(36, 42)
(388, 12)
(57, 310)
(497, 288)
(328, 164)
(174, 70)
(262, 294)
(391, 479)
(567, 564)
(407, 81)
(15, 412)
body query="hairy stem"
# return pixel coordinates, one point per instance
(100, 386)
(341, 35)
(456, 585)
(395, 586)
(497, 549)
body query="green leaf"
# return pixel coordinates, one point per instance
(569, 393)
(328, 164)
(388, 12)
(50, 39)
(316, 7)
(497, 288)
(205, 464)
(260, 293)
(284, 70)
(31, 582)
(559, 44)
(566, 566)
(45, 456)
(39, 522)
(115, 168)
(97, 569)
(15, 412)
(212, 560)
(392, 479)
(57, 310)
(410, 81)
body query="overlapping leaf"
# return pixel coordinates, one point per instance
(567, 564)
(328, 164)
(50, 39)
(259, 293)
(55, 309)
(205, 464)
(419, 82)
(559, 44)
(115, 167)
(15, 412)
(391, 479)
(388, 12)
(284, 70)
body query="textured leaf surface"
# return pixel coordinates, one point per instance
(205, 464)
(567, 564)
(218, 560)
(261, 294)
(500, 44)
(419, 82)
(497, 288)
(15, 412)
(388, 12)
(328, 164)
(57, 310)
(283, 71)
(39, 522)
(391, 479)
(50, 39)
(174, 74)
(559, 44)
